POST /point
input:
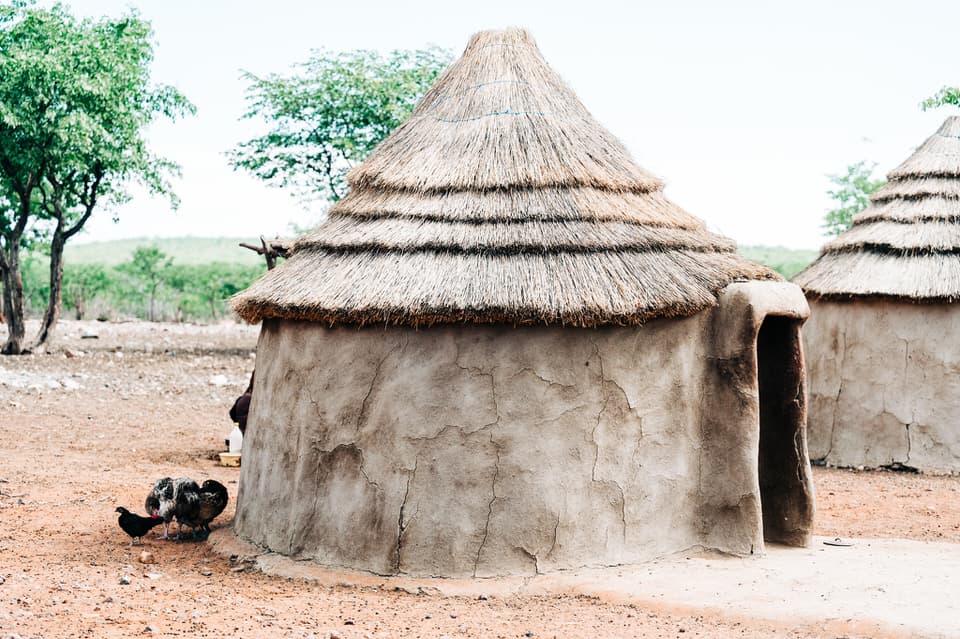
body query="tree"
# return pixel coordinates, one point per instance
(149, 269)
(81, 283)
(943, 97)
(330, 113)
(852, 195)
(75, 99)
(206, 287)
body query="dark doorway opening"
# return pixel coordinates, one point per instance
(786, 489)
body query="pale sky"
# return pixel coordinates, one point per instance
(743, 108)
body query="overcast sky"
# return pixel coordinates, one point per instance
(742, 107)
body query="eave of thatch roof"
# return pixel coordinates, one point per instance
(430, 287)
(906, 245)
(500, 200)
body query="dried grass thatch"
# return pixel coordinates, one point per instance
(907, 244)
(500, 200)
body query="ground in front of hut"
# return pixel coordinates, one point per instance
(90, 425)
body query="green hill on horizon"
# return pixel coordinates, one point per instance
(183, 250)
(787, 262)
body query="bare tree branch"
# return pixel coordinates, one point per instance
(89, 200)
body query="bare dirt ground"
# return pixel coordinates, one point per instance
(90, 425)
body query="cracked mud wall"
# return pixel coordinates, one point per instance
(884, 384)
(465, 451)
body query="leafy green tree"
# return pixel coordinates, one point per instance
(328, 114)
(204, 288)
(75, 99)
(81, 283)
(851, 195)
(944, 97)
(149, 268)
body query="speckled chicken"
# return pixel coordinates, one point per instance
(174, 498)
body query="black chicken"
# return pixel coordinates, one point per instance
(135, 525)
(174, 498)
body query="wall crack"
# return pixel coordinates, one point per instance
(401, 524)
(361, 418)
(836, 400)
(493, 498)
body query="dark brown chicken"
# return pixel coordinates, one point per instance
(213, 499)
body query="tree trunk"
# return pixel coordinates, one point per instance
(13, 300)
(61, 234)
(55, 301)
(10, 272)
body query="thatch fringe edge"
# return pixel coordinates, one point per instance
(253, 312)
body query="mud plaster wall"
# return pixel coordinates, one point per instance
(884, 384)
(489, 450)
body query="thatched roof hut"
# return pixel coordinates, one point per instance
(884, 295)
(550, 347)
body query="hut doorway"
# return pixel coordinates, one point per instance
(786, 501)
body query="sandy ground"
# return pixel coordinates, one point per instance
(867, 587)
(90, 425)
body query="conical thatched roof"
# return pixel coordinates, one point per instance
(907, 244)
(500, 200)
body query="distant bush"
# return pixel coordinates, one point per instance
(786, 262)
(202, 290)
(84, 285)
(149, 286)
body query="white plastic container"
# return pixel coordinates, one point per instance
(236, 439)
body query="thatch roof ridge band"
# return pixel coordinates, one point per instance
(917, 188)
(346, 233)
(910, 210)
(526, 204)
(891, 249)
(885, 235)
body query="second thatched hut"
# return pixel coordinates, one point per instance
(506, 352)
(882, 339)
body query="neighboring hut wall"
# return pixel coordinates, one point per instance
(481, 450)
(884, 384)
